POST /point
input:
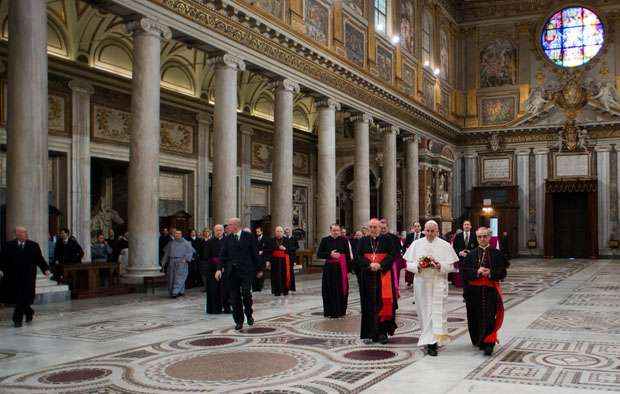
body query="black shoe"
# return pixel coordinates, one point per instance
(383, 339)
(29, 318)
(488, 350)
(250, 321)
(375, 339)
(238, 326)
(174, 296)
(18, 324)
(432, 350)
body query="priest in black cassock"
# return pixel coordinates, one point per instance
(336, 251)
(378, 293)
(217, 292)
(265, 247)
(483, 269)
(281, 265)
(397, 251)
(291, 248)
(18, 271)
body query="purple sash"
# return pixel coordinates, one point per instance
(344, 272)
(215, 260)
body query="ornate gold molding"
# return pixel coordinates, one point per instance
(302, 60)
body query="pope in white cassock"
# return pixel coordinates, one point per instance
(431, 259)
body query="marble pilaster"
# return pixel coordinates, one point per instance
(541, 163)
(471, 177)
(457, 188)
(388, 206)
(245, 181)
(326, 176)
(282, 180)
(225, 133)
(523, 182)
(202, 173)
(82, 92)
(27, 122)
(361, 180)
(412, 181)
(143, 175)
(602, 175)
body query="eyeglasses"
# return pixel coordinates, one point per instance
(483, 236)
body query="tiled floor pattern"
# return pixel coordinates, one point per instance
(301, 352)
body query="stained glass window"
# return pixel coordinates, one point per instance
(572, 36)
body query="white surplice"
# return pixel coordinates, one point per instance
(431, 287)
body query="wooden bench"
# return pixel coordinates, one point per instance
(84, 279)
(305, 256)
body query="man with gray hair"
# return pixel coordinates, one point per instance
(431, 259)
(18, 270)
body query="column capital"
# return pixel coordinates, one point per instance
(285, 84)
(81, 86)
(602, 148)
(523, 152)
(326, 102)
(226, 60)
(203, 118)
(390, 129)
(246, 130)
(541, 151)
(470, 155)
(360, 117)
(142, 25)
(411, 137)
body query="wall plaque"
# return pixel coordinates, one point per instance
(496, 169)
(575, 165)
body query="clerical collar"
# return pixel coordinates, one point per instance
(484, 247)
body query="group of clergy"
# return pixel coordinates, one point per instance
(377, 259)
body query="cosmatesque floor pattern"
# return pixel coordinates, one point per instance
(561, 334)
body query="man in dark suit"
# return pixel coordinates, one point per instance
(240, 261)
(265, 247)
(415, 234)
(68, 250)
(463, 244)
(18, 269)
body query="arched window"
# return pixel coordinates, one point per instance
(427, 37)
(381, 16)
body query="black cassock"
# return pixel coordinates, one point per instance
(217, 294)
(19, 265)
(371, 287)
(282, 274)
(482, 301)
(265, 246)
(335, 293)
(292, 246)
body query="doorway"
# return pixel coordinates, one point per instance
(570, 224)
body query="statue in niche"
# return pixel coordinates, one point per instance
(428, 210)
(441, 192)
(104, 217)
(608, 96)
(536, 102)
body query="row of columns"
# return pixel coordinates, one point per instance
(27, 145)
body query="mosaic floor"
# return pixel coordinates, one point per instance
(561, 333)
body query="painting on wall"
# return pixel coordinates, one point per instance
(56, 113)
(407, 23)
(385, 63)
(498, 64)
(409, 77)
(301, 164)
(444, 53)
(497, 110)
(355, 43)
(317, 21)
(300, 206)
(261, 156)
(444, 108)
(428, 92)
(356, 6)
(274, 7)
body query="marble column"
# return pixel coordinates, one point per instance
(456, 188)
(202, 172)
(326, 176)
(412, 181)
(602, 175)
(225, 135)
(80, 163)
(245, 181)
(143, 175)
(282, 178)
(27, 127)
(523, 181)
(471, 177)
(361, 171)
(541, 175)
(388, 202)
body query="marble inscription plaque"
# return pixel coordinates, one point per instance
(572, 165)
(496, 169)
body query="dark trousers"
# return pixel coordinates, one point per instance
(20, 311)
(240, 287)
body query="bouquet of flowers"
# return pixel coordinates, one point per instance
(427, 262)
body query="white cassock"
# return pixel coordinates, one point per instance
(431, 287)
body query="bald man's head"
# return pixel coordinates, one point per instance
(21, 233)
(374, 227)
(431, 230)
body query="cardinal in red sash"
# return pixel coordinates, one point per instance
(483, 269)
(378, 294)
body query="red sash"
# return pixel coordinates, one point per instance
(499, 317)
(344, 272)
(215, 260)
(281, 254)
(387, 296)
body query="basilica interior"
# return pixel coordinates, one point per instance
(135, 115)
